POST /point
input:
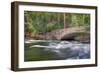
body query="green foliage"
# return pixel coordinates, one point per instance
(41, 22)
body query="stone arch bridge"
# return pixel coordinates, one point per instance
(60, 34)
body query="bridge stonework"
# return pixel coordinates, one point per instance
(65, 33)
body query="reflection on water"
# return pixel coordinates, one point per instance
(60, 49)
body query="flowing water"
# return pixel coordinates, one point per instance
(63, 49)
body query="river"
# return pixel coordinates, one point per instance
(61, 49)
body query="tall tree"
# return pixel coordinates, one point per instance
(64, 20)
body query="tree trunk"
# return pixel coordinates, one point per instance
(83, 20)
(64, 20)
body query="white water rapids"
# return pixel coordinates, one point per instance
(66, 49)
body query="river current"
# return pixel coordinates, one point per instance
(65, 49)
